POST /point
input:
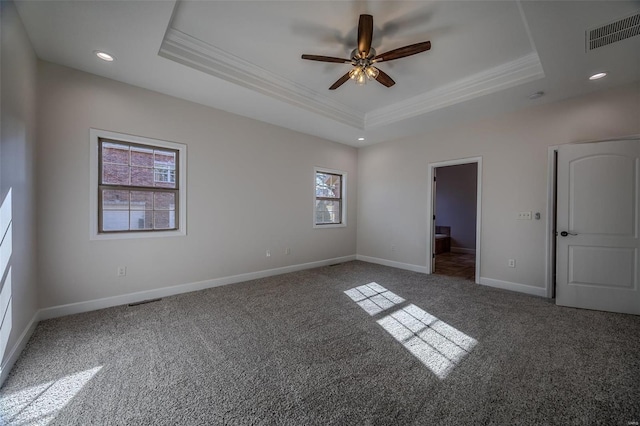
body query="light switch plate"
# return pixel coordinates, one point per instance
(524, 215)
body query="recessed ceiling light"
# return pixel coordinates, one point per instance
(104, 56)
(598, 76)
(360, 139)
(536, 95)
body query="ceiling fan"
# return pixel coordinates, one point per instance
(364, 57)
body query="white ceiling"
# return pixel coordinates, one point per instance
(244, 56)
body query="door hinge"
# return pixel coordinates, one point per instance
(434, 217)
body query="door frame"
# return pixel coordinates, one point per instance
(550, 262)
(431, 211)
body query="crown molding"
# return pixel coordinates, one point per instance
(192, 52)
(520, 71)
(197, 54)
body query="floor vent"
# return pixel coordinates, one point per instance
(613, 32)
(144, 302)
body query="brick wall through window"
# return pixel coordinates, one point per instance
(138, 187)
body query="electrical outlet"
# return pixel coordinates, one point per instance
(524, 215)
(287, 251)
(268, 253)
(122, 271)
(393, 247)
(512, 263)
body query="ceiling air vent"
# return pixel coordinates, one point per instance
(613, 32)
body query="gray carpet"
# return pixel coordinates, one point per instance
(296, 349)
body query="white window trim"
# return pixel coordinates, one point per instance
(344, 198)
(94, 136)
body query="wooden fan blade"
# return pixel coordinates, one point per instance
(326, 59)
(365, 34)
(384, 79)
(402, 52)
(340, 82)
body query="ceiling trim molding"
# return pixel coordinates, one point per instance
(520, 71)
(192, 52)
(197, 54)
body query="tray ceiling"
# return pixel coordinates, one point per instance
(244, 56)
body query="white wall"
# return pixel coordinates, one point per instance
(456, 203)
(393, 180)
(250, 189)
(17, 186)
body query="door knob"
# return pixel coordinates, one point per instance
(565, 233)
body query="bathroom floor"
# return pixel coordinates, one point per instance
(456, 265)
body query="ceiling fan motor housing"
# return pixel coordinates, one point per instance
(356, 59)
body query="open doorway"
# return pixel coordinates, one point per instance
(455, 212)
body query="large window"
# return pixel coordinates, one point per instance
(330, 202)
(138, 185)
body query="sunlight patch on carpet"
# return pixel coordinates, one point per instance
(439, 346)
(373, 298)
(39, 405)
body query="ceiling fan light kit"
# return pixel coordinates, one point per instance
(364, 57)
(363, 68)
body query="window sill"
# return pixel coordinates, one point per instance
(132, 235)
(337, 225)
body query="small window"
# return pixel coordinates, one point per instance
(329, 203)
(138, 186)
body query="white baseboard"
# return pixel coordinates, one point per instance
(521, 288)
(392, 263)
(6, 366)
(107, 302)
(463, 250)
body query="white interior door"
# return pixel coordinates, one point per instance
(597, 224)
